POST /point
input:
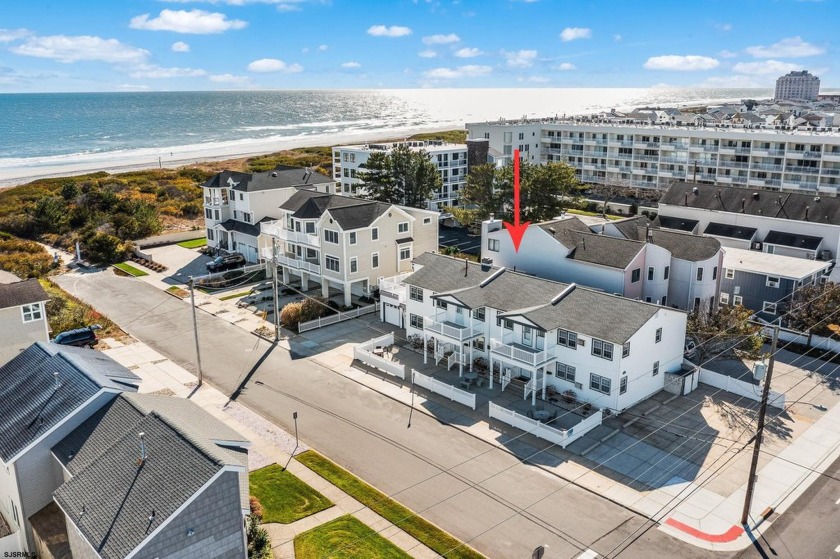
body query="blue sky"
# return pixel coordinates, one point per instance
(123, 45)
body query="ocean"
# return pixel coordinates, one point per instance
(59, 132)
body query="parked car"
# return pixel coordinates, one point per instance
(80, 337)
(226, 262)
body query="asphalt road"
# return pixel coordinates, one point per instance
(479, 493)
(809, 528)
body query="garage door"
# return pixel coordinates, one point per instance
(249, 252)
(393, 315)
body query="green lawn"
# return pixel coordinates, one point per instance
(284, 497)
(193, 243)
(345, 538)
(234, 295)
(130, 270)
(424, 531)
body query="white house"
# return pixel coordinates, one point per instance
(345, 243)
(628, 257)
(610, 351)
(23, 317)
(235, 203)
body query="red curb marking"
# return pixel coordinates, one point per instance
(728, 536)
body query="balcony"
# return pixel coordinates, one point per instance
(215, 201)
(456, 332)
(831, 156)
(646, 158)
(305, 265)
(831, 172)
(713, 148)
(798, 169)
(522, 354)
(734, 164)
(393, 289)
(766, 167)
(275, 230)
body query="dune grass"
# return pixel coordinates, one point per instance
(130, 270)
(345, 538)
(283, 496)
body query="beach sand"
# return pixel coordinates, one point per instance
(179, 156)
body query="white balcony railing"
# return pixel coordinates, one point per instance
(532, 357)
(393, 288)
(451, 331)
(215, 201)
(275, 230)
(298, 264)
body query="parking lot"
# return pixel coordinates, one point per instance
(459, 238)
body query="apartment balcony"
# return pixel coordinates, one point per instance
(733, 164)
(625, 169)
(756, 182)
(393, 289)
(798, 169)
(215, 201)
(830, 172)
(713, 148)
(622, 143)
(653, 158)
(456, 332)
(739, 180)
(705, 176)
(522, 354)
(298, 264)
(831, 156)
(743, 150)
(678, 160)
(812, 154)
(553, 151)
(292, 236)
(766, 167)
(725, 179)
(639, 171)
(727, 150)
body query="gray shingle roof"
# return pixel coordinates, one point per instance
(605, 250)
(587, 311)
(283, 176)
(561, 229)
(21, 293)
(795, 206)
(240, 227)
(350, 213)
(112, 499)
(33, 404)
(731, 231)
(805, 242)
(634, 228)
(686, 246)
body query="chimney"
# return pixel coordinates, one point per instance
(152, 516)
(648, 234)
(57, 383)
(142, 436)
(466, 267)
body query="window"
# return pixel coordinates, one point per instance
(650, 273)
(478, 314)
(565, 372)
(416, 321)
(402, 227)
(566, 338)
(622, 386)
(602, 349)
(699, 274)
(505, 323)
(427, 220)
(696, 306)
(527, 335)
(599, 383)
(32, 312)
(655, 368)
(521, 135)
(374, 234)
(352, 237)
(737, 300)
(240, 197)
(658, 335)
(729, 273)
(332, 263)
(635, 275)
(216, 215)
(331, 236)
(772, 281)
(667, 272)
(210, 234)
(493, 245)
(769, 308)
(478, 343)
(208, 213)
(415, 293)
(440, 304)
(374, 260)
(664, 300)
(405, 253)
(354, 265)
(625, 350)
(310, 227)
(714, 273)
(724, 298)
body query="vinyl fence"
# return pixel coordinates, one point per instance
(363, 352)
(560, 437)
(336, 318)
(740, 387)
(805, 339)
(447, 390)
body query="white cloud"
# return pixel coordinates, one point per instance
(65, 48)
(180, 46)
(133, 87)
(792, 47)
(288, 8)
(727, 54)
(9, 35)
(441, 39)
(617, 38)
(737, 82)
(197, 22)
(726, 27)
(574, 33)
(351, 64)
(428, 53)
(322, 48)
(520, 58)
(153, 71)
(273, 65)
(678, 63)
(537, 79)
(765, 67)
(385, 31)
(565, 66)
(467, 52)
(229, 78)
(468, 71)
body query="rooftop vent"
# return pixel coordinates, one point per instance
(57, 383)
(755, 195)
(816, 198)
(695, 190)
(496, 274)
(142, 436)
(563, 294)
(552, 231)
(273, 173)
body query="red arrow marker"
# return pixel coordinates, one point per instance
(516, 230)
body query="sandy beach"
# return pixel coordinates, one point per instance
(150, 158)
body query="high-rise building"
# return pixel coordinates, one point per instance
(798, 85)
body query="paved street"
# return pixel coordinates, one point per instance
(478, 492)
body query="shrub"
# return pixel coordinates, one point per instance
(101, 248)
(25, 259)
(256, 507)
(290, 315)
(312, 308)
(259, 544)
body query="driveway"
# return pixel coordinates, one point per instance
(482, 494)
(181, 263)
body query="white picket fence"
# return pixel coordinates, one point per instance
(447, 390)
(363, 352)
(560, 437)
(336, 318)
(456, 359)
(741, 388)
(818, 342)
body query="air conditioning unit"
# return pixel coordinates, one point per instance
(757, 246)
(579, 386)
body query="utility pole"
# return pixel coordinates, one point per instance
(762, 413)
(276, 289)
(195, 331)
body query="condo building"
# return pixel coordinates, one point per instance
(798, 85)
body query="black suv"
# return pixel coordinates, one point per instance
(226, 262)
(80, 337)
